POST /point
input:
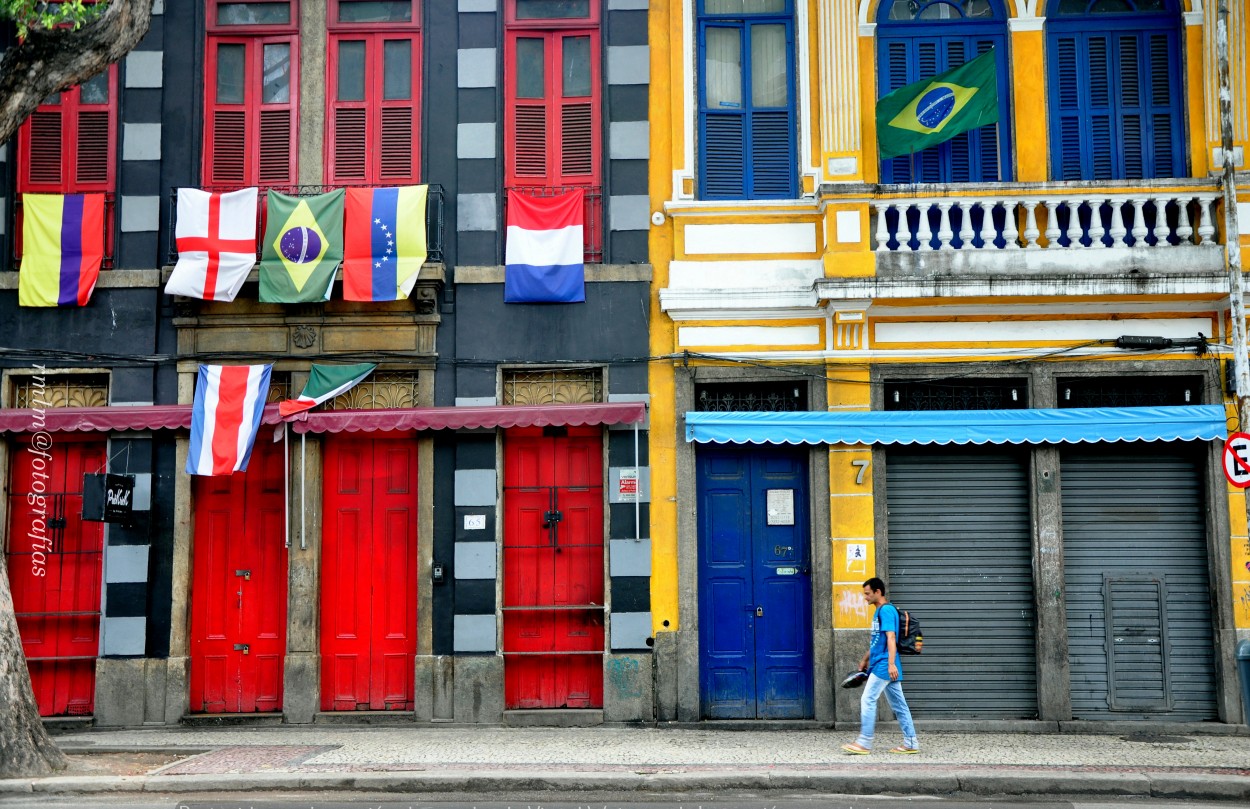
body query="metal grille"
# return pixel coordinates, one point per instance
(61, 390)
(1131, 391)
(961, 394)
(959, 534)
(279, 386)
(385, 390)
(1136, 583)
(553, 386)
(754, 397)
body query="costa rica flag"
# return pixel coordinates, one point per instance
(62, 248)
(544, 262)
(229, 404)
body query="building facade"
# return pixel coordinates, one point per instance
(464, 536)
(831, 319)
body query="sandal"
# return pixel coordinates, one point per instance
(855, 749)
(905, 750)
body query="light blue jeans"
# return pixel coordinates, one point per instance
(898, 703)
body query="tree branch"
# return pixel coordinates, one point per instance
(47, 62)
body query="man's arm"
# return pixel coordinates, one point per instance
(893, 654)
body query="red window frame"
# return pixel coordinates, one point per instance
(556, 107)
(373, 141)
(46, 167)
(256, 128)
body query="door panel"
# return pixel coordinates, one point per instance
(55, 565)
(369, 574)
(553, 569)
(239, 585)
(754, 585)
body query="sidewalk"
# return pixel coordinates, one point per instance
(1151, 763)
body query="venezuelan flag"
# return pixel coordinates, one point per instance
(62, 248)
(384, 242)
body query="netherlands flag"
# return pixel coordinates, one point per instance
(544, 253)
(229, 403)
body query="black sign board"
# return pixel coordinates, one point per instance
(108, 498)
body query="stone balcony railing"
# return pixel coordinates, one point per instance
(1056, 217)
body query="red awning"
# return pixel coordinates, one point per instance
(469, 418)
(178, 417)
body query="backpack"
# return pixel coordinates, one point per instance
(910, 638)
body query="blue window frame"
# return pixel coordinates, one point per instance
(1116, 97)
(917, 39)
(747, 143)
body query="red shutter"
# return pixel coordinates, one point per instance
(398, 144)
(45, 148)
(577, 152)
(276, 148)
(530, 141)
(349, 144)
(93, 147)
(229, 148)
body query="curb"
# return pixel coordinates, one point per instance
(959, 782)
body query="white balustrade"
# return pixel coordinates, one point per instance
(993, 222)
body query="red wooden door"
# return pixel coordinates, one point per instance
(55, 563)
(553, 568)
(239, 587)
(369, 574)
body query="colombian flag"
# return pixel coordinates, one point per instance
(384, 233)
(62, 248)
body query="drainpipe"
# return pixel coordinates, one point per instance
(1232, 235)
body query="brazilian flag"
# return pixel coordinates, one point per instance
(935, 110)
(303, 247)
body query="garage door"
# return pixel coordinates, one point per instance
(960, 557)
(1138, 593)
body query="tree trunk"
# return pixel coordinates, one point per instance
(47, 62)
(25, 749)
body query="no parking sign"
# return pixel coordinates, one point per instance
(1237, 460)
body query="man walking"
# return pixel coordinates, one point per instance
(884, 674)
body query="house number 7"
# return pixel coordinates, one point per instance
(862, 465)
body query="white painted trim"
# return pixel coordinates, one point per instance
(973, 354)
(720, 275)
(747, 335)
(1015, 24)
(928, 333)
(761, 239)
(1192, 17)
(686, 170)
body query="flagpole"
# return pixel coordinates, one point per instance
(303, 507)
(286, 487)
(1232, 234)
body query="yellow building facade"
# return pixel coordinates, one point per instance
(1065, 263)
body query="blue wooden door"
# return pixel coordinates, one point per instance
(755, 620)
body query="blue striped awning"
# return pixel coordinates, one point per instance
(1067, 426)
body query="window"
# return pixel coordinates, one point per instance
(1116, 110)
(552, 64)
(917, 39)
(374, 83)
(746, 99)
(250, 94)
(68, 142)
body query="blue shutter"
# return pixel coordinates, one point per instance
(771, 155)
(723, 153)
(1065, 133)
(1132, 143)
(1163, 154)
(894, 71)
(1100, 156)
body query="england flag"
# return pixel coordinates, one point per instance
(229, 404)
(216, 239)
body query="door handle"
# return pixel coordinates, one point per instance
(759, 612)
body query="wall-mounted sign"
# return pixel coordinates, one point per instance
(627, 489)
(108, 498)
(780, 505)
(1237, 460)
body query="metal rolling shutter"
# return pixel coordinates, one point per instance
(1135, 547)
(960, 557)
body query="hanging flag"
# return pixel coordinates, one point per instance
(229, 403)
(326, 382)
(544, 253)
(302, 249)
(62, 248)
(935, 110)
(216, 239)
(385, 242)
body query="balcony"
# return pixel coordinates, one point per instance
(434, 211)
(592, 215)
(110, 217)
(1048, 228)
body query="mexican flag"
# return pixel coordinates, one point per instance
(326, 382)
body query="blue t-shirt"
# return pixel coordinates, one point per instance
(885, 620)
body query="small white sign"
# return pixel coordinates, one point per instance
(787, 571)
(627, 488)
(475, 522)
(856, 557)
(780, 503)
